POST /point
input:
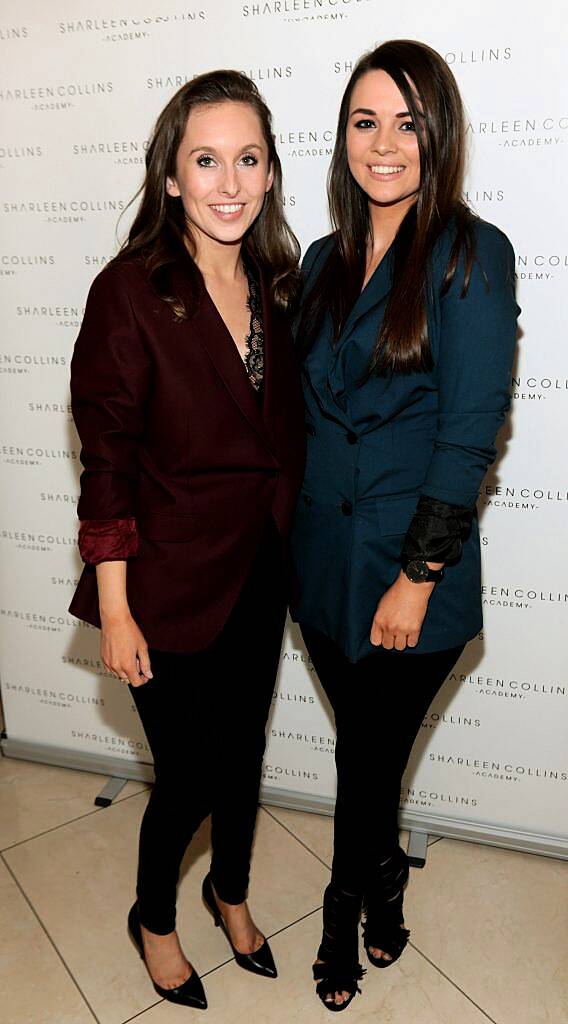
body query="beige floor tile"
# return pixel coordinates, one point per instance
(81, 880)
(36, 988)
(37, 797)
(316, 830)
(496, 922)
(410, 992)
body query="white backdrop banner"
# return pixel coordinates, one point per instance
(80, 87)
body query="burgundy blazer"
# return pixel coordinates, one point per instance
(177, 446)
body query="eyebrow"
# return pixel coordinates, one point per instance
(373, 113)
(211, 149)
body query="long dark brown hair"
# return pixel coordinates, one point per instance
(160, 229)
(436, 108)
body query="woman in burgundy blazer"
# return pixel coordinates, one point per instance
(191, 421)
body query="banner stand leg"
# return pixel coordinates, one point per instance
(417, 847)
(109, 791)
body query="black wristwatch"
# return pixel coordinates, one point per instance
(418, 571)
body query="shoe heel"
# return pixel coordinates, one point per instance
(209, 900)
(135, 930)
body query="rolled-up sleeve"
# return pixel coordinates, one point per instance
(110, 372)
(437, 531)
(474, 365)
(107, 540)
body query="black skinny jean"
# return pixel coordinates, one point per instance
(378, 703)
(205, 717)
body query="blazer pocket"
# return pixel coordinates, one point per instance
(164, 526)
(395, 514)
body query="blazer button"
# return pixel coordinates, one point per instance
(347, 508)
(307, 500)
(310, 429)
(351, 437)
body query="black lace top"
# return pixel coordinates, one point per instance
(254, 356)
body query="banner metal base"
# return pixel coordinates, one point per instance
(60, 757)
(418, 825)
(435, 825)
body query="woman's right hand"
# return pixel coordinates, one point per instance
(124, 651)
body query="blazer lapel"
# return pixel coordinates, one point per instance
(376, 289)
(210, 329)
(272, 385)
(327, 368)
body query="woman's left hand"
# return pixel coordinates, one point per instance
(400, 614)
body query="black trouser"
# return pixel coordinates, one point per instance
(379, 703)
(205, 717)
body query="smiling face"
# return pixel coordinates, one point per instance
(222, 171)
(381, 139)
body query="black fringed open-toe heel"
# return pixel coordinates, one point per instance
(339, 950)
(383, 927)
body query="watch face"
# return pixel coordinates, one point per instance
(417, 571)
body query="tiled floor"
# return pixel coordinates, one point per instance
(489, 927)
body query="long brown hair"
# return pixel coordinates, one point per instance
(160, 229)
(402, 343)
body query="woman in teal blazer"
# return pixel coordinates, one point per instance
(407, 333)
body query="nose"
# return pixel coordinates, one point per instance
(229, 183)
(384, 140)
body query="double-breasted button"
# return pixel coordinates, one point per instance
(347, 508)
(307, 500)
(351, 437)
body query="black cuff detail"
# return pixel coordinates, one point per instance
(437, 532)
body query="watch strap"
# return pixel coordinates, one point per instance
(417, 570)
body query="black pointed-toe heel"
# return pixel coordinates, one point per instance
(384, 922)
(259, 962)
(340, 970)
(191, 993)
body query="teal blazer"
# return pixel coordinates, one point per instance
(373, 449)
